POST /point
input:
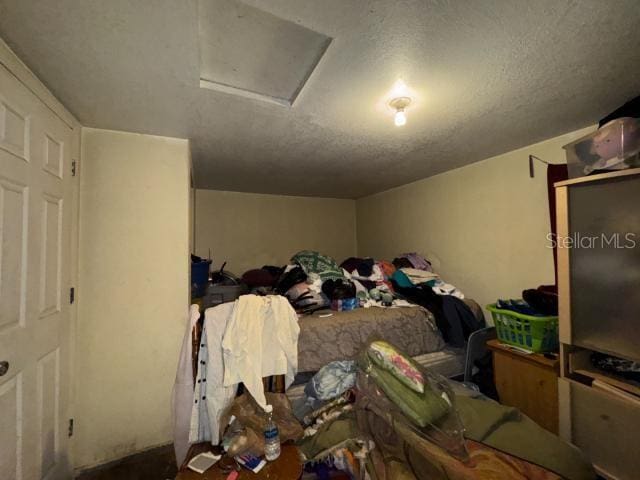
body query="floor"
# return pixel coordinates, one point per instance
(156, 464)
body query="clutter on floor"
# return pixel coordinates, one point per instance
(382, 413)
(354, 347)
(400, 417)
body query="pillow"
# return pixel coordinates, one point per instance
(387, 357)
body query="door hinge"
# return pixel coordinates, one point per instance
(71, 427)
(73, 168)
(72, 295)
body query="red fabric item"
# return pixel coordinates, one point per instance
(258, 278)
(555, 173)
(387, 268)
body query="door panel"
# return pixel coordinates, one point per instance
(13, 268)
(11, 427)
(50, 271)
(14, 129)
(36, 191)
(48, 410)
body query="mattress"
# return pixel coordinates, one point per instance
(326, 335)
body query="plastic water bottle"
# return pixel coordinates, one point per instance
(271, 436)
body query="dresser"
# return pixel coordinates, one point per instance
(527, 381)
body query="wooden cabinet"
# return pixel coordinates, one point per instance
(604, 426)
(599, 307)
(528, 382)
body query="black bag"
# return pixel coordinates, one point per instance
(289, 279)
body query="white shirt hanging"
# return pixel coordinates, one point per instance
(261, 340)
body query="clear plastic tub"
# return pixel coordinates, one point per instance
(614, 146)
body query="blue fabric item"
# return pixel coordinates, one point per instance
(322, 471)
(332, 380)
(401, 279)
(518, 306)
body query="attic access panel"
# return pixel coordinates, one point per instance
(246, 51)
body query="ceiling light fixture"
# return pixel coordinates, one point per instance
(400, 104)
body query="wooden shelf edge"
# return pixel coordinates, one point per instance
(598, 177)
(614, 382)
(537, 358)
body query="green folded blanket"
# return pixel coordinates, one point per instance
(506, 429)
(421, 408)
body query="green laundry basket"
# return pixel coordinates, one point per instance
(537, 334)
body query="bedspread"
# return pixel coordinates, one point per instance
(342, 335)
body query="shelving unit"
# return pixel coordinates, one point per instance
(599, 312)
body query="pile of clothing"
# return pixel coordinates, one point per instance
(454, 317)
(313, 281)
(383, 416)
(538, 302)
(379, 416)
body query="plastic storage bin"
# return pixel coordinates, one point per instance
(537, 334)
(199, 278)
(613, 146)
(217, 294)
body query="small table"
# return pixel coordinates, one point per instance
(286, 467)
(528, 382)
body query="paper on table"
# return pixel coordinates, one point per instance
(202, 462)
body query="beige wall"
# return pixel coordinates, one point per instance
(483, 225)
(251, 230)
(133, 291)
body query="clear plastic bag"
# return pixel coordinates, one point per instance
(251, 417)
(398, 400)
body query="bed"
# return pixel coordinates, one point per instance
(326, 336)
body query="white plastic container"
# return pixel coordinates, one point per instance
(614, 146)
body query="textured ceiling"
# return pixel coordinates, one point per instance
(486, 76)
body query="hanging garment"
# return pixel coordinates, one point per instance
(210, 397)
(261, 339)
(182, 395)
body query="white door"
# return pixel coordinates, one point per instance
(36, 205)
